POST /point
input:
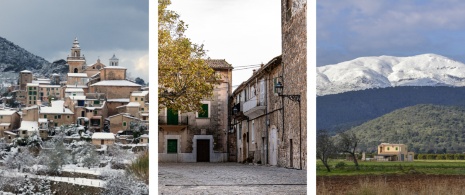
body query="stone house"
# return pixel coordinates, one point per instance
(100, 138)
(50, 91)
(9, 120)
(28, 128)
(115, 89)
(121, 122)
(293, 150)
(57, 114)
(32, 91)
(256, 115)
(394, 152)
(198, 136)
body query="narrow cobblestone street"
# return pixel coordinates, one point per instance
(229, 178)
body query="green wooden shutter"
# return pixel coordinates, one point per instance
(172, 117)
(204, 112)
(172, 146)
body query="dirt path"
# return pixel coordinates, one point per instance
(390, 183)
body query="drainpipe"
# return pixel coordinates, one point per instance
(266, 118)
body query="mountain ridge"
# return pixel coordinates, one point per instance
(389, 71)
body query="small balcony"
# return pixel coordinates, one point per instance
(173, 120)
(253, 107)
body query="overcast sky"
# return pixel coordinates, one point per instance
(104, 27)
(243, 32)
(356, 28)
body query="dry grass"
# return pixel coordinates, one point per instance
(386, 187)
(140, 167)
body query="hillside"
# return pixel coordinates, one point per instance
(389, 71)
(424, 128)
(343, 111)
(14, 59)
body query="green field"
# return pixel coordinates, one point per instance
(437, 167)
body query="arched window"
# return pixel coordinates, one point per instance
(75, 53)
(75, 70)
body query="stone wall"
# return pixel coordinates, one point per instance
(294, 48)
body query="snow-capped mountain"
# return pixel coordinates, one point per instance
(389, 71)
(14, 59)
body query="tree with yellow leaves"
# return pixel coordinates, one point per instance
(184, 78)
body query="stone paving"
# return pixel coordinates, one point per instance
(229, 178)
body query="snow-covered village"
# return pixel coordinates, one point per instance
(82, 132)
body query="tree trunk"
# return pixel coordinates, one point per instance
(355, 161)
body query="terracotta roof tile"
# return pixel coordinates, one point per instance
(218, 64)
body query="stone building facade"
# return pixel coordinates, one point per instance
(257, 115)
(194, 136)
(293, 151)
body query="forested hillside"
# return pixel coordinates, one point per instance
(342, 111)
(424, 128)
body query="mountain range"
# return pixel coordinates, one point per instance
(14, 59)
(389, 71)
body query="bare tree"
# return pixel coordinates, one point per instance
(325, 147)
(348, 142)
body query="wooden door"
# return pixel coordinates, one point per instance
(203, 150)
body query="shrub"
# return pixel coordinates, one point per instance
(340, 165)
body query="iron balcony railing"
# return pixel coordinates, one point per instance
(173, 120)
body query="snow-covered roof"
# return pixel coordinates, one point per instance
(115, 67)
(77, 75)
(116, 83)
(7, 112)
(74, 90)
(133, 104)
(50, 86)
(26, 71)
(76, 86)
(55, 74)
(32, 84)
(77, 97)
(100, 135)
(144, 136)
(5, 124)
(43, 120)
(139, 93)
(56, 108)
(144, 114)
(41, 82)
(29, 125)
(124, 114)
(10, 133)
(118, 100)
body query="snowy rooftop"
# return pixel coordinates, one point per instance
(7, 112)
(43, 120)
(56, 108)
(76, 86)
(118, 100)
(77, 75)
(5, 124)
(124, 114)
(50, 86)
(74, 90)
(144, 136)
(29, 125)
(100, 135)
(133, 104)
(26, 71)
(116, 83)
(32, 84)
(78, 97)
(115, 67)
(41, 82)
(139, 93)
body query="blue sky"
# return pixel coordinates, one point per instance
(355, 28)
